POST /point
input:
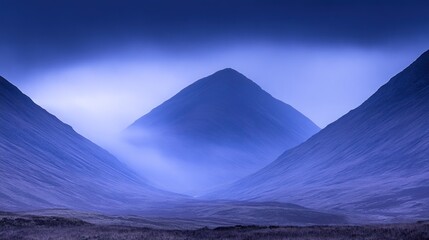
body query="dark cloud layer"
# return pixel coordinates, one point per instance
(39, 33)
(52, 23)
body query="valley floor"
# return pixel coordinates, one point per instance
(48, 227)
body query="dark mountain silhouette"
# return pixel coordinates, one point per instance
(221, 128)
(44, 163)
(373, 159)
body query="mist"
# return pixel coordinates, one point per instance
(176, 173)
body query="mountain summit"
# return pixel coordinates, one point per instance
(220, 128)
(373, 159)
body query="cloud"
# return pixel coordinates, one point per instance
(67, 21)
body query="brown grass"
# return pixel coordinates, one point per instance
(62, 228)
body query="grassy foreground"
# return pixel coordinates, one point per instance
(65, 228)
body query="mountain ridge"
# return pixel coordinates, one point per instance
(45, 163)
(375, 155)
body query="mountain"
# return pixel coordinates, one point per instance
(47, 169)
(218, 129)
(44, 163)
(374, 159)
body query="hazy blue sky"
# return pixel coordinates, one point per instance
(99, 65)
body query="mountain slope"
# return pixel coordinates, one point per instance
(44, 163)
(220, 128)
(375, 158)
